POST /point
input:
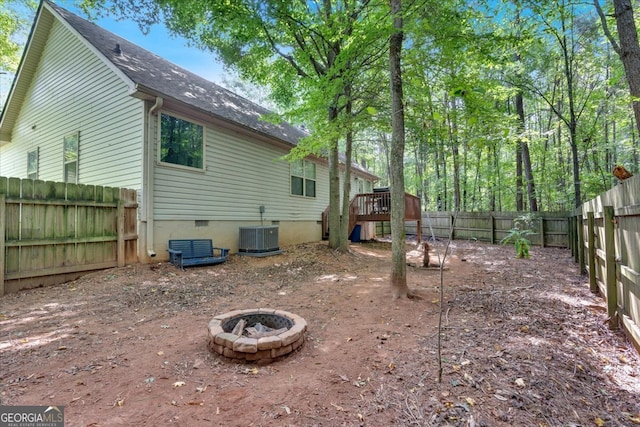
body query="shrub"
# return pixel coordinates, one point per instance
(523, 227)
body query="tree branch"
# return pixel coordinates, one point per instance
(605, 27)
(280, 53)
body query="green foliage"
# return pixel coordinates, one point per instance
(523, 227)
(15, 21)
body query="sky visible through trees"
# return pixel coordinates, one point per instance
(515, 105)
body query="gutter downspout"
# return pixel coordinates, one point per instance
(149, 175)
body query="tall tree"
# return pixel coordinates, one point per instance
(628, 50)
(398, 255)
(568, 35)
(525, 156)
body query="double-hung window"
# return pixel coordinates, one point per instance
(181, 142)
(303, 178)
(71, 149)
(32, 164)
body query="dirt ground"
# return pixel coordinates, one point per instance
(524, 343)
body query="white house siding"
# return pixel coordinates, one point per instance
(241, 175)
(74, 91)
(355, 179)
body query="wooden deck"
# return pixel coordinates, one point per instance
(376, 207)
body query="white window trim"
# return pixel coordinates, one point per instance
(304, 179)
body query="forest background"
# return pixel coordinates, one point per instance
(515, 105)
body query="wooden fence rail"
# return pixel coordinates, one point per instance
(52, 232)
(605, 241)
(552, 228)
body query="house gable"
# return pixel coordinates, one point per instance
(154, 76)
(63, 88)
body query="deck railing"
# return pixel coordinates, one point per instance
(374, 207)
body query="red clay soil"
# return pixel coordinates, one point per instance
(524, 343)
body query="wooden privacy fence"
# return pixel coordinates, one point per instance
(605, 241)
(52, 232)
(492, 227)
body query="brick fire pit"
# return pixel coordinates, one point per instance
(256, 334)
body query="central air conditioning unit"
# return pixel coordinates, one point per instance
(259, 241)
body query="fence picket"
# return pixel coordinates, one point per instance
(489, 226)
(614, 238)
(53, 232)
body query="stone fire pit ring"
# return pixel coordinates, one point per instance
(264, 349)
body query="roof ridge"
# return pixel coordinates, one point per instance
(148, 70)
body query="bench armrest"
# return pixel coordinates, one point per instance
(224, 252)
(175, 257)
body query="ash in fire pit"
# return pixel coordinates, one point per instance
(256, 335)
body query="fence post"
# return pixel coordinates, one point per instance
(610, 261)
(3, 206)
(570, 234)
(572, 231)
(583, 270)
(591, 224)
(493, 229)
(541, 231)
(452, 230)
(120, 213)
(575, 239)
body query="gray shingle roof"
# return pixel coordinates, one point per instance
(156, 75)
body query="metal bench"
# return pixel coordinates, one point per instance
(189, 252)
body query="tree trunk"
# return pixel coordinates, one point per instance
(492, 161)
(334, 189)
(573, 116)
(441, 175)
(525, 157)
(398, 255)
(562, 184)
(528, 173)
(519, 197)
(628, 49)
(346, 186)
(476, 204)
(573, 132)
(455, 152)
